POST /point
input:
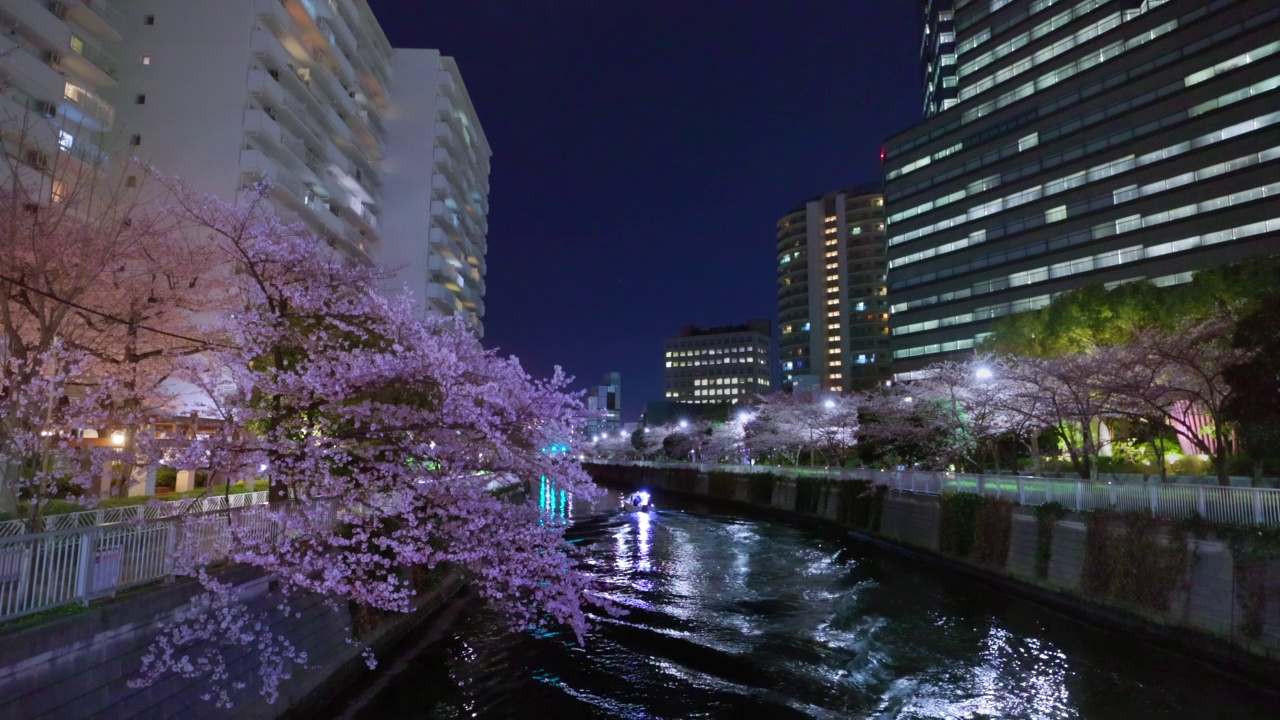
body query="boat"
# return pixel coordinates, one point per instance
(639, 502)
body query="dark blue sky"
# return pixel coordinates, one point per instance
(644, 150)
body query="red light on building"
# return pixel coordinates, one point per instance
(881, 154)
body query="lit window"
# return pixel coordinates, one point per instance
(65, 139)
(833, 351)
(834, 363)
(833, 253)
(59, 191)
(833, 301)
(77, 44)
(146, 59)
(832, 278)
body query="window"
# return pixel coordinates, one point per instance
(59, 191)
(136, 140)
(142, 99)
(131, 181)
(77, 44)
(146, 59)
(149, 20)
(65, 139)
(1055, 214)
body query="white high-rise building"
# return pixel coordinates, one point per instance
(436, 211)
(55, 64)
(224, 93)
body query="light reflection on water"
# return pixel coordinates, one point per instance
(731, 617)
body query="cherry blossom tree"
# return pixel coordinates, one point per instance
(651, 440)
(787, 425)
(1179, 378)
(611, 445)
(897, 425)
(972, 400)
(384, 435)
(96, 284)
(1063, 395)
(728, 440)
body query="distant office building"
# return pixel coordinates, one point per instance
(833, 312)
(938, 55)
(604, 403)
(1101, 141)
(717, 365)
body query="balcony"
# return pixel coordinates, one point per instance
(87, 108)
(98, 17)
(36, 21)
(274, 12)
(24, 68)
(96, 65)
(258, 122)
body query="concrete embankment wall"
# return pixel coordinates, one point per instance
(79, 666)
(1193, 593)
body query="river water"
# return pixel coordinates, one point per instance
(738, 617)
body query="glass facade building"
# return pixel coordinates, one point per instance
(1092, 141)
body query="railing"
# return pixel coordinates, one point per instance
(104, 10)
(138, 513)
(50, 569)
(1233, 505)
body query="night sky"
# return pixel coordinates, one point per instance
(643, 152)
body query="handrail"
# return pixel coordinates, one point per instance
(41, 571)
(136, 513)
(1229, 505)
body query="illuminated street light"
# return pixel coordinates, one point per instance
(117, 437)
(983, 373)
(829, 404)
(684, 423)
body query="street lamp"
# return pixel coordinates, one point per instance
(984, 373)
(684, 424)
(829, 404)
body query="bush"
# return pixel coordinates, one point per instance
(809, 495)
(1126, 559)
(166, 477)
(722, 484)
(976, 526)
(1191, 465)
(1047, 517)
(760, 489)
(861, 504)
(956, 527)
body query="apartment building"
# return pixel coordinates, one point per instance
(718, 365)
(380, 151)
(833, 310)
(56, 61)
(436, 192)
(1092, 141)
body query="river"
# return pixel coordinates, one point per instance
(731, 616)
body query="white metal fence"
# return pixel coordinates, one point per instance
(1235, 505)
(137, 513)
(44, 570)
